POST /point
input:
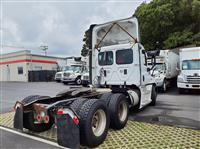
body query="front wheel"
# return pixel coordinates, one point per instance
(164, 86)
(78, 81)
(153, 96)
(181, 91)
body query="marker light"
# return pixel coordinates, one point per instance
(60, 112)
(75, 119)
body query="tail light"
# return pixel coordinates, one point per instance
(46, 119)
(38, 118)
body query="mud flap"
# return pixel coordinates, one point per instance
(18, 118)
(67, 132)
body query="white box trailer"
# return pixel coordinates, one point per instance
(189, 77)
(165, 70)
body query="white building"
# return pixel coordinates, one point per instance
(17, 65)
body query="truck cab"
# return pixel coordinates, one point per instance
(165, 70)
(189, 77)
(119, 60)
(73, 73)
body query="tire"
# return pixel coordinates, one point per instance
(77, 104)
(85, 85)
(119, 110)
(181, 91)
(65, 83)
(164, 86)
(28, 122)
(78, 81)
(93, 112)
(153, 96)
(106, 97)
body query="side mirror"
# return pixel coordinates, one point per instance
(148, 69)
(143, 51)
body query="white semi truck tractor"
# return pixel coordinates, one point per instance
(84, 115)
(165, 71)
(189, 77)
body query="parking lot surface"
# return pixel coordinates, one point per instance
(171, 109)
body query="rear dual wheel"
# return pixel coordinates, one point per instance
(118, 109)
(94, 120)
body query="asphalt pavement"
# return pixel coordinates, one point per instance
(171, 109)
(10, 140)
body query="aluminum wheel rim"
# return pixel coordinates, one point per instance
(99, 122)
(78, 81)
(164, 86)
(123, 111)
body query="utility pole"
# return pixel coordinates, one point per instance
(44, 48)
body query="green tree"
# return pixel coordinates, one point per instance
(172, 23)
(85, 47)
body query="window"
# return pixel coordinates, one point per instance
(20, 70)
(191, 65)
(38, 67)
(105, 58)
(124, 56)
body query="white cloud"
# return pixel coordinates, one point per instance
(60, 25)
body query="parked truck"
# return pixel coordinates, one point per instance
(72, 72)
(189, 77)
(83, 115)
(165, 71)
(85, 79)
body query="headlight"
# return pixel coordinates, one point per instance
(72, 75)
(180, 79)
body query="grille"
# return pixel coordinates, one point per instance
(193, 79)
(58, 75)
(86, 77)
(66, 74)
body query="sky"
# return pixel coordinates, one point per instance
(60, 24)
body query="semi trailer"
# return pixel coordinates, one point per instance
(189, 77)
(165, 71)
(118, 64)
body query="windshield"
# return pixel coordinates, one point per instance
(160, 66)
(191, 65)
(74, 68)
(65, 68)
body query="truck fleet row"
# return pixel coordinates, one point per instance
(170, 64)
(117, 64)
